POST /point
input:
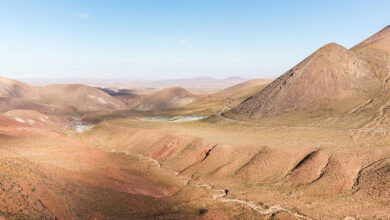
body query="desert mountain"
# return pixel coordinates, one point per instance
(177, 97)
(229, 97)
(203, 85)
(82, 98)
(198, 85)
(333, 76)
(379, 41)
(241, 89)
(55, 98)
(35, 119)
(16, 89)
(164, 99)
(9, 103)
(376, 51)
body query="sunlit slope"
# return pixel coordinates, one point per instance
(80, 98)
(16, 89)
(229, 97)
(55, 98)
(332, 82)
(164, 99)
(290, 167)
(376, 51)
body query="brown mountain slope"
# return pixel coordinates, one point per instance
(79, 97)
(229, 97)
(31, 118)
(241, 89)
(332, 74)
(8, 103)
(16, 89)
(377, 40)
(376, 50)
(55, 98)
(169, 98)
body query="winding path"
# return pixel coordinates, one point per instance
(267, 125)
(384, 89)
(219, 194)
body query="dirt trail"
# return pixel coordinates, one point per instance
(266, 125)
(384, 89)
(219, 194)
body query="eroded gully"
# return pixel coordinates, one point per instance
(218, 194)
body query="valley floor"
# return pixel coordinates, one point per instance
(213, 168)
(47, 175)
(318, 173)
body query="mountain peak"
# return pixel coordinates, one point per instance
(331, 44)
(331, 73)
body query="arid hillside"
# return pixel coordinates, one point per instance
(331, 74)
(229, 97)
(55, 98)
(374, 111)
(298, 172)
(79, 97)
(47, 172)
(164, 99)
(16, 89)
(332, 78)
(198, 85)
(376, 51)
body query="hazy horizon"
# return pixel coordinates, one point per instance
(148, 40)
(80, 78)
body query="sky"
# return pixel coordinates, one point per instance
(169, 39)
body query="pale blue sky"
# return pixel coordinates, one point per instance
(157, 39)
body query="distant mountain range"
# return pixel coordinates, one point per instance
(196, 85)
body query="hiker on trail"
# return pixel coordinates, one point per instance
(226, 192)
